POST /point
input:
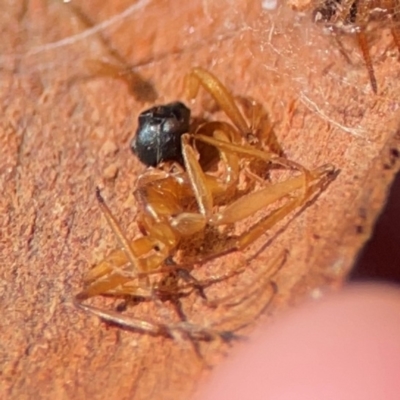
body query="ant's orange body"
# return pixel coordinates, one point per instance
(182, 202)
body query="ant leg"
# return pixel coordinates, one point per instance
(159, 235)
(209, 128)
(119, 281)
(261, 126)
(118, 233)
(259, 281)
(197, 178)
(250, 307)
(253, 233)
(250, 151)
(205, 186)
(230, 161)
(173, 330)
(199, 181)
(245, 305)
(141, 89)
(113, 272)
(253, 202)
(118, 259)
(342, 49)
(255, 153)
(222, 131)
(363, 43)
(194, 343)
(107, 69)
(199, 76)
(258, 229)
(113, 284)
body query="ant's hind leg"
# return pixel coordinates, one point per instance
(258, 229)
(177, 331)
(252, 202)
(258, 283)
(327, 174)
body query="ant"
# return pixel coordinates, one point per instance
(184, 202)
(353, 16)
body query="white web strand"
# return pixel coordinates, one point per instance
(114, 20)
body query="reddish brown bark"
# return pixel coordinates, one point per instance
(61, 135)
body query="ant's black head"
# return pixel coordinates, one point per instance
(158, 136)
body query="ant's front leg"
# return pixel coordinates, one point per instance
(199, 76)
(206, 187)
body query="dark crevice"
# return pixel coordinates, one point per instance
(379, 260)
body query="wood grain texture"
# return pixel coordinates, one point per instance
(62, 134)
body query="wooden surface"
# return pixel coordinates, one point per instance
(63, 132)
